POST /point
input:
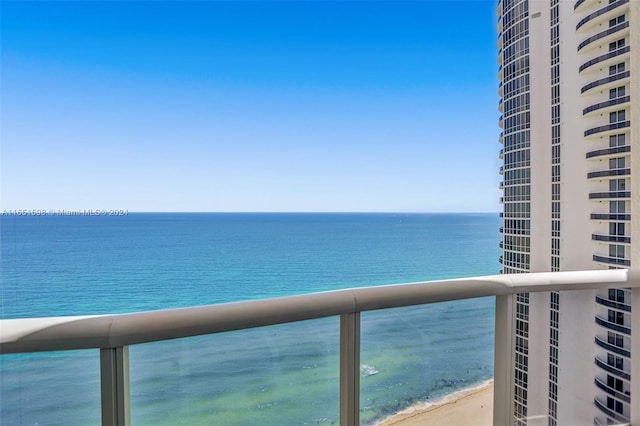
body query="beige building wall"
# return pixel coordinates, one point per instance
(540, 209)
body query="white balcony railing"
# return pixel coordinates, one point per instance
(113, 334)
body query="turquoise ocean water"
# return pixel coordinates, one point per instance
(280, 375)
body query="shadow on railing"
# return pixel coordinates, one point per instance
(113, 334)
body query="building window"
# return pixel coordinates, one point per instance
(615, 383)
(618, 92)
(617, 185)
(616, 251)
(616, 295)
(614, 405)
(616, 44)
(617, 140)
(615, 21)
(615, 339)
(615, 317)
(615, 69)
(617, 116)
(615, 361)
(616, 228)
(616, 163)
(616, 207)
(522, 328)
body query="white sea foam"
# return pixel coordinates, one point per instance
(368, 370)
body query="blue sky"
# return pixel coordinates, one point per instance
(249, 106)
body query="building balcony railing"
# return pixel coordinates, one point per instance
(610, 369)
(515, 198)
(578, 4)
(612, 260)
(609, 172)
(612, 348)
(612, 326)
(611, 391)
(611, 238)
(609, 194)
(609, 151)
(606, 80)
(601, 105)
(600, 12)
(611, 216)
(603, 34)
(613, 304)
(605, 57)
(609, 412)
(113, 334)
(515, 231)
(515, 165)
(607, 128)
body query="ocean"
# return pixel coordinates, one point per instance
(279, 375)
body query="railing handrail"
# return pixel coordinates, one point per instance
(111, 331)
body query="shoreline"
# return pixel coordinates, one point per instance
(472, 406)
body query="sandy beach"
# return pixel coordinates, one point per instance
(473, 406)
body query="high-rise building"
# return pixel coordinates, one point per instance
(569, 91)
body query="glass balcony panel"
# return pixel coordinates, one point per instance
(283, 375)
(601, 12)
(52, 388)
(414, 355)
(605, 81)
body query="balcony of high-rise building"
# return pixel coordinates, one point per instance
(111, 337)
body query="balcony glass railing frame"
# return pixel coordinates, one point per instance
(610, 79)
(608, 172)
(609, 412)
(603, 34)
(611, 391)
(609, 151)
(611, 102)
(612, 260)
(611, 238)
(612, 325)
(609, 194)
(611, 369)
(113, 334)
(608, 127)
(605, 57)
(612, 348)
(600, 12)
(613, 304)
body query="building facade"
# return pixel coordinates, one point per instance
(569, 90)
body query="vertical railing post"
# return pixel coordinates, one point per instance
(350, 369)
(503, 366)
(114, 386)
